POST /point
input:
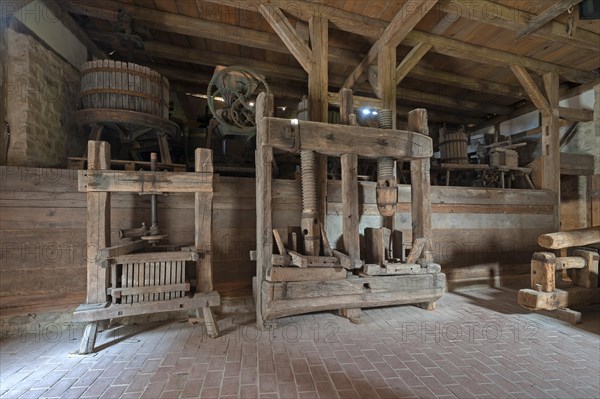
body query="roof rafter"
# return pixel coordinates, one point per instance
(548, 15)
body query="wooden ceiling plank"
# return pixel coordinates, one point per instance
(531, 89)
(411, 60)
(459, 49)
(506, 17)
(546, 16)
(467, 82)
(404, 21)
(288, 35)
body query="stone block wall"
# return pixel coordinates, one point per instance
(42, 91)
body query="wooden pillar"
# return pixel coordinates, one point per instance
(98, 225)
(420, 189)
(386, 67)
(203, 162)
(351, 217)
(550, 142)
(264, 195)
(318, 98)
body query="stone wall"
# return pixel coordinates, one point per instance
(42, 92)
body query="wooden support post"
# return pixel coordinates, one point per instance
(98, 225)
(386, 65)
(318, 99)
(420, 189)
(203, 223)
(264, 195)
(209, 320)
(88, 341)
(351, 217)
(550, 142)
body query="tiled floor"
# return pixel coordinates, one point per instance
(478, 343)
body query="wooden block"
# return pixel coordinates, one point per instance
(310, 274)
(376, 245)
(543, 267)
(295, 241)
(279, 242)
(313, 261)
(570, 262)
(568, 315)
(533, 299)
(346, 262)
(587, 276)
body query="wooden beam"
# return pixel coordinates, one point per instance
(531, 89)
(288, 35)
(440, 100)
(405, 20)
(460, 49)
(576, 164)
(264, 196)
(203, 212)
(144, 181)
(374, 28)
(546, 16)
(386, 79)
(550, 143)
(571, 238)
(505, 17)
(576, 114)
(335, 140)
(411, 60)
(467, 82)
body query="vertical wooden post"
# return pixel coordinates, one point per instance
(98, 225)
(550, 142)
(386, 66)
(351, 218)
(420, 189)
(264, 221)
(317, 98)
(203, 162)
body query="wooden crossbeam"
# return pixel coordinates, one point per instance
(531, 88)
(546, 16)
(576, 114)
(288, 35)
(335, 140)
(411, 60)
(405, 20)
(144, 181)
(506, 17)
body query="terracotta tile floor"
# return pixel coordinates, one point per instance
(478, 343)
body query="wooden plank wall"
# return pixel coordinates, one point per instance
(479, 235)
(42, 229)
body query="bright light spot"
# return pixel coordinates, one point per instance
(374, 112)
(294, 122)
(366, 111)
(282, 108)
(251, 104)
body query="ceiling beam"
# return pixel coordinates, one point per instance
(411, 60)
(546, 16)
(459, 49)
(537, 98)
(195, 27)
(505, 17)
(405, 20)
(374, 28)
(467, 82)
(288, 35)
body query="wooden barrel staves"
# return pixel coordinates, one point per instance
(120, 85)
(453, 148)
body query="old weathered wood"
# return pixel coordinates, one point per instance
(318, 81)
(98, 225)
(122, 249)
(88, 341)
(376, 245)
(157, 257)
(417, 250)
(576, 114)
(586, 276)
(543, 267)
(558, 299)
(576, 164)
(420, 188)
(199, 300)
(411, 60)
(551, 141)
(264, 196)
(336, 140)
(312, 261)
(386, 78)
(279, 242)
(203, 204)
(570, 262)
(400, 26)
(546, 16)
(571, 238)
(352, 314)
(312, 274)
(290, 37)
(152, 289)
(144, 181)
(212, 327)
(565, 314)
(531, 89)
(327, 250)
